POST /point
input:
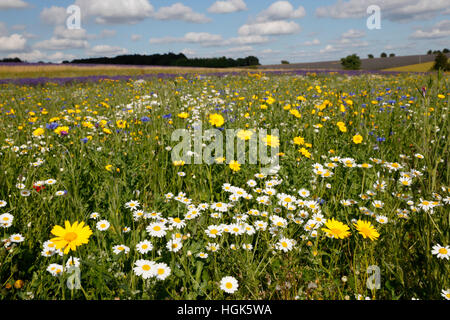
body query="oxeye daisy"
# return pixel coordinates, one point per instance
(441, 252)
(285, 244)
(213, 231)
(73, 262)
(162, 271)
(145, 268)
(174, 245)
(260, 225)
(229, 284)
(366, 229)
(177, 223)
(157, 229)
(94, 215)
(17, 238)
(55, 269)
(382, 219)
(3, 203)
(202, 255)
(6, 220)
(133, 205)
(103, 225)
(137, 214)
(144, 246)
(60, 193)
(446, 294)
(213, 247)
(121, 248)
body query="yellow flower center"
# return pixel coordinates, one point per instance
(157, 228)
(145, 267)
(229, 285)
(144, 246)
(160, 271)
(443, 251)
(70, 236)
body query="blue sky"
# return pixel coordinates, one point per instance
(296, 30)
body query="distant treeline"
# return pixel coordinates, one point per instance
(11, 60)
(171, 59)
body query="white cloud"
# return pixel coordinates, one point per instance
(14, 42)
(188, 52)
(440, 30)
(116, 11)
(179, 11)
(61, 44)
(36, 55)
(61, 32)
(202, 38)
(281, 10)
(246, 40)
(228, 6)
(393, 10)
(136, 37)
(106, 50)
(54, 15)
(269, 28)
(329, 49)
(32, 56)
(353, 34)
(12, 4)
(59, 57)
(314, 42)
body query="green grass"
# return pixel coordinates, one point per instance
(102, 164)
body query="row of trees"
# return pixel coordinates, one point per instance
(353, 62)
(437, 51)
(382, 55)
(171, 59)
(168, 59)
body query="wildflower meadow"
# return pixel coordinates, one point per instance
(338, 187)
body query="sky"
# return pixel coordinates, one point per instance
(296, 31)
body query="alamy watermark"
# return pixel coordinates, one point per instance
(73, 21)
(374, 20)
(374, 281)
(214, 146)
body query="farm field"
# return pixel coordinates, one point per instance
(354, 204)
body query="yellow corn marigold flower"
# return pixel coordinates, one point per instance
(38, 132)
(299, 140)
(61, 130)
(71, 236)
(235, 166)
(366, 229)
(336, 229)
(357, 139)
(272, 141)
(244, 134)
(121, 124)
(216, 120)
(183, 115)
